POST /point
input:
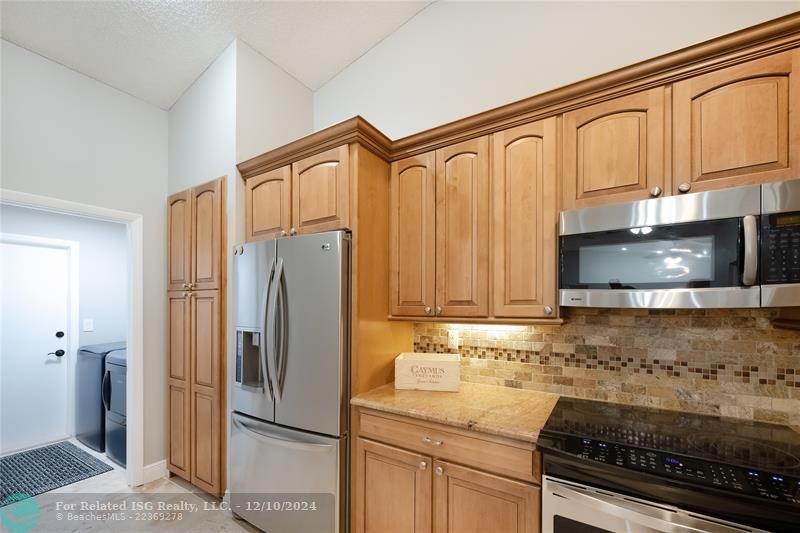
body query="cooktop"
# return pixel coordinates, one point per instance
(627, 448)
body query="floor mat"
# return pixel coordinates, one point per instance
(36, 471)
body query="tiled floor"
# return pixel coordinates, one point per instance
(113, 486)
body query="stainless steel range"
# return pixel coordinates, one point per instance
(616, 468)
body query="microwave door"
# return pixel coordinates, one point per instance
(312, 329)
(252, 391)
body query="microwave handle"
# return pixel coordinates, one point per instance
(750, 250)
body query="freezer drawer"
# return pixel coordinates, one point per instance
(284, 481)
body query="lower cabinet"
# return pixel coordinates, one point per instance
(422, 490)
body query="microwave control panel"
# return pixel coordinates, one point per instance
(780, 248)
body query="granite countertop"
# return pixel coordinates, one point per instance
(513, 413)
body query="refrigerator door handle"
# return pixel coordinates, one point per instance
(283, 330)
(262, 348)
(272, 310)
(260, 432)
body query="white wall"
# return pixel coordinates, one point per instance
(272, 107)
(67, 136)
(455, 59)
(103, 277)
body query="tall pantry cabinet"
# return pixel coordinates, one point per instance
(196, 301)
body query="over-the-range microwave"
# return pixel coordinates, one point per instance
(737, 247)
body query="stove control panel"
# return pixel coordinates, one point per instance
(753, 482)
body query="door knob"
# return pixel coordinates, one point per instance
(57, 353)
(655, 192)
(59, 334)
(685, 187)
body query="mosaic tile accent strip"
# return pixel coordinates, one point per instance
(723, 362)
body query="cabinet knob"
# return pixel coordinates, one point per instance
(548, 310)
(292, 231)
(192, 294)
(185, 294)
(185, 285)
(283, 233)
(685, 187)
(191, 285)
(438, 310)
(423, 465)
(655, 192)
(427, 309)
(428, 440)
(439, 471)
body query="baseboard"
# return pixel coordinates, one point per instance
(154, 471)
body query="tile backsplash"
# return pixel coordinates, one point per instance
(721, 362)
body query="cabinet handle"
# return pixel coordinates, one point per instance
(423, 465)
(191, 285)
(428, 440)
(548, 310)
(185, 285)
(685, 187)
(283, 233)
(439, 471)
(438, 310)
(292, 231)
(655, 192)
(427, 309)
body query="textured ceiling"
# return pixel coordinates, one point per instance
(155, 49)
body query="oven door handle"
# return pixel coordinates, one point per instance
(750, 269)
(648, 516)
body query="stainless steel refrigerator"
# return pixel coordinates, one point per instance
(290, 391)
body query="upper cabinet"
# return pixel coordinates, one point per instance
(179, 237)
(614, 151)
(462, 229)
(321, 192)
(524, 221)
(268, 201)
(194, 236)
(412, 227)
(733, 126)
(308, 196)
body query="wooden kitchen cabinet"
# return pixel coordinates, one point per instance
(462, 229)
(392, 490)
(471, 501)
(614, 151)
(179, 241)
(321, 191)
(734, 126)
(268, 204)
(412, 246)
(524, 219)
(196, 335)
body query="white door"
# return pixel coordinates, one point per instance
(34, 306)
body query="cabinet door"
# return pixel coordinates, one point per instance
(179, 372)
(268, 202)
(470, 501)
(462, 229)
(392, 490)
(412, 222)
(207, 203)
(614, 151)
(524, 221)
(321, 192)
(733, 126)
(206, 391)
(179, 240)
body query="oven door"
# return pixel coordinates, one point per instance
(710, 263)
(574, 508)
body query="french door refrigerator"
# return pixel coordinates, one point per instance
(290, 391)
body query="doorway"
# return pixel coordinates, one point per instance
(39, 292)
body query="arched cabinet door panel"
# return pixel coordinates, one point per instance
(462, 229)
(614, 151)
(207, 204)
(321, 192)
(179, 240)
(412, 222)
(733, 126)
(524, 221)
(268, 203)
